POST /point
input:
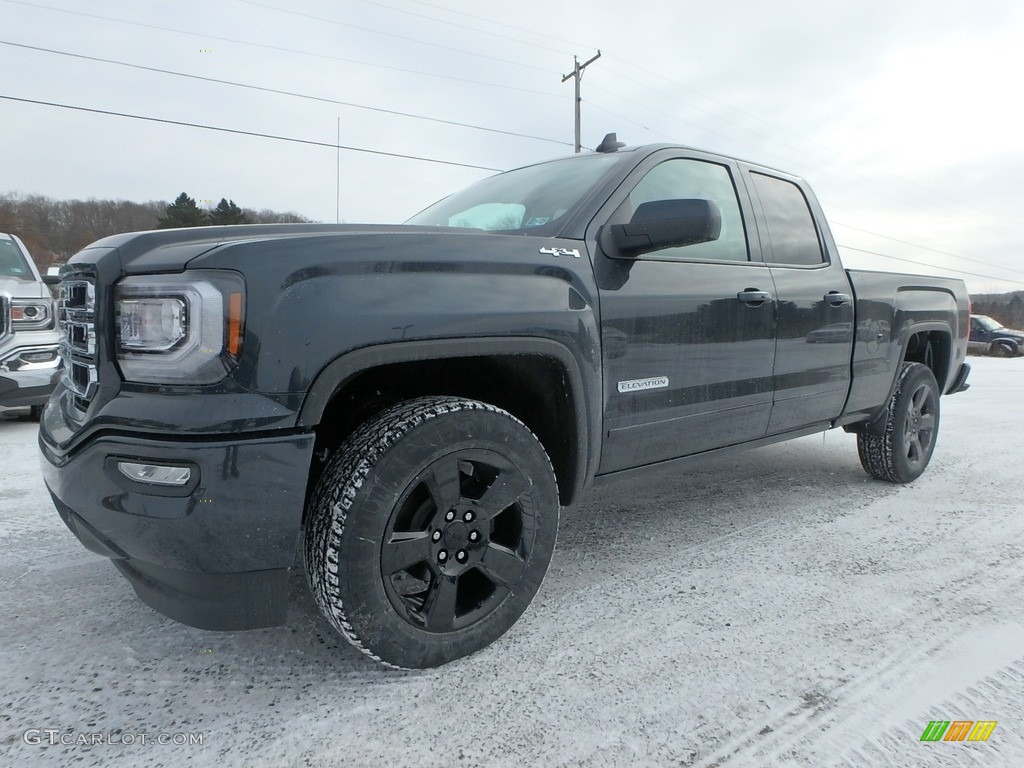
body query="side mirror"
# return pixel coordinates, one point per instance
(667, 224)
(51, 279)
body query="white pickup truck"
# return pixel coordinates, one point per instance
(29, 341)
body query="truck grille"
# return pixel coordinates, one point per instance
(76, 311)
(5, 317)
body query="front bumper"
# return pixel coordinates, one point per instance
(26, 377)
(215, 553)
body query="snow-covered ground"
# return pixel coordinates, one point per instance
(775, 607)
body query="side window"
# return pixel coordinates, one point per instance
(791, 229)
(683, 179)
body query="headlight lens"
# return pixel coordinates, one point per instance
(179, 329)
(152, 325)
(31, 314)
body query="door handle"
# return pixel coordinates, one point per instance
(752, 297)
(837, 299)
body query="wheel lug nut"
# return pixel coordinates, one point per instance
(474, 536)
(468, 517)
(450, 516)
(461, 555)
(436, 537)
(442, 556)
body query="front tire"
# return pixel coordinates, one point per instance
(911, 425)
(1002, 350)
(431, 530)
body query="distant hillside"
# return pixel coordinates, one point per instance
(998, 298)
(54, 230)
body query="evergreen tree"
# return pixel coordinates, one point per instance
(227, 212)
(183, 212)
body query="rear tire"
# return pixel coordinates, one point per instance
(910, 427)
(431, 530)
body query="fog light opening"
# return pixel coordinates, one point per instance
(155, 474)
(39, 357)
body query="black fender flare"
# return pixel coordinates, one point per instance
(876, 423)
(584, 393)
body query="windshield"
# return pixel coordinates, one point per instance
(986, 323)
(522, 199)
(12, 262)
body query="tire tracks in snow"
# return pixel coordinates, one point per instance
(818, 728)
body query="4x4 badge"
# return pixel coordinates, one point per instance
(561, 252)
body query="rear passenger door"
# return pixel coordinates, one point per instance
(815, 317)
(687, 358)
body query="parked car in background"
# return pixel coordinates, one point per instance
(29, 341)
(990, 337)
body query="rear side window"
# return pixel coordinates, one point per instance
(791, 229)
(12, 263)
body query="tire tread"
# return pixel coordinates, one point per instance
(336, 492)
(877, 452)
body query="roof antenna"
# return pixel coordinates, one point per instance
(610, 143)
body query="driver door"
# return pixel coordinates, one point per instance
(687, 358)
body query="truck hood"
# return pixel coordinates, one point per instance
(1008, 333)
(22, 289)
(169, 250)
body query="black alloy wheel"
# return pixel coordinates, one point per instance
(900, 447)
(431, 530)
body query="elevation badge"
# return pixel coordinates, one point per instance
(635, 385)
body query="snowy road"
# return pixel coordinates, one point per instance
(775, 607)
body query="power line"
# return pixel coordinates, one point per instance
(916, 245)
(479, 31)
(931, 266)
(391, 34)
(674, 118)
(286, 93)
(287, 50)
(616, 115)
(805, 140)
(403, 156)
(250, 133)
(824, 150)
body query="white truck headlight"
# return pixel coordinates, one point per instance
(179, 329)
(31, 314)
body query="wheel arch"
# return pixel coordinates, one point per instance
(537, 380)
(930, 344)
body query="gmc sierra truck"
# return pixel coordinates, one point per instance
(29, 351)
(403, 411)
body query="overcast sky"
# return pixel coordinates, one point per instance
(904, 115)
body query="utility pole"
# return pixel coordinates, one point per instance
(577, 74)
(337, 167)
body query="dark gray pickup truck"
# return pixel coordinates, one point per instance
(411, 406)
